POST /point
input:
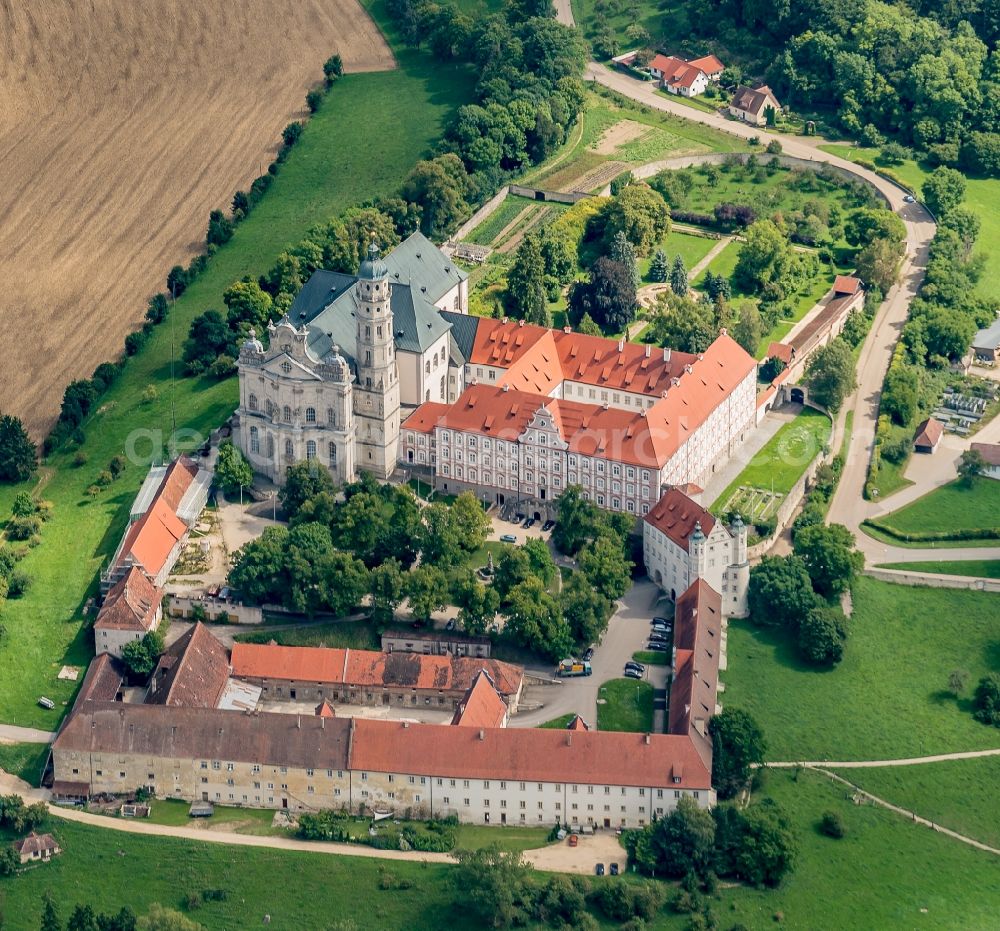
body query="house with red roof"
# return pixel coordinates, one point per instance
(683, 544)
(685, 78)
(132, 608)
(545, 409)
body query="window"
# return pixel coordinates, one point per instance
(310, 449)
(289, 449)
(331, 450)
(254, 440)
(252, 402)
(331, 417)
(216, 764)
(310, 415)
(286, 366)
(286, 414)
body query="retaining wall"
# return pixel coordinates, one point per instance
(182, 606)
(901, 577)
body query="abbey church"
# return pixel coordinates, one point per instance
(350, 354)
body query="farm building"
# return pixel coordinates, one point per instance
(928, 436)
(986, 344)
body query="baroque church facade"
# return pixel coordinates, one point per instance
(348, 360)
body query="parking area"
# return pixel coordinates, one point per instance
(503, 528)
(602, 847)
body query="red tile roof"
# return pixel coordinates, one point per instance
(369, 667)
(526, 754)
(989, 451)
(754, 99)
(192, 673)
(481, 706)
(132, 604)
(846, 284)
(35, 843)
(676, 71)
(675, 515)
(577, 724)
(929, 433)
(709, 64)
(425, 418)
(103, 680)
(325, 710)
(776, 350)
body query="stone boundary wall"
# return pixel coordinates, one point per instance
(903, 577)
(181, 606)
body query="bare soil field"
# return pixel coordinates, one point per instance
(618, 134)
(121, 126)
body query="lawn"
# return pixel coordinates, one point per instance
(558, 724)
(952, 507)
(982, 196)
(723, 264)
(651, 657)
(888, 697)
(957, 794)
(407, 109)
(238, 820)
(692, 249)
(24, 760)
(783, 458)
(981, 568)
(628, 706)
(354, 635)
(885, 873)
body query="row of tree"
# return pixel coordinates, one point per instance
(86, 918)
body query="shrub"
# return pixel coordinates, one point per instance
(220, 231)
(290, 134)
(774, 147)
(177, 280)
(832, 825)
(105, 478)
(134, 341)
(333, 68)
(80, 459)
(313, 99)
(23, 528)
(156, 312)
(149, 394)
(223, 366)
(18, 583)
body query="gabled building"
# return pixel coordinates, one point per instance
(37, 848)
(685, 78)
(682, 543)
(481, 706)
(192, 673)
(753, 104)
(132, 608)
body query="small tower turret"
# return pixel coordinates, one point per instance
(696, 553)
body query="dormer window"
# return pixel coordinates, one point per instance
(286, 366)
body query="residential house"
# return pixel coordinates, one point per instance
(753, 104)
(991, 456)
(677, 76)
(37, 848)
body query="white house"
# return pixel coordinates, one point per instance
(991, 455)
(682, 543)
(753, 104)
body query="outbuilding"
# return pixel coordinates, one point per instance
(928, 436)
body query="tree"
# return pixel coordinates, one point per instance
(765, 257)
(257, 571)
(901, 393)
(440, 543)
(526, 297)
(50, 916)
(738, 745)
(208, 337)
(303, 480)
(140, 656)
(535, 621)
(659, 268)
(166, 919)
(749, 328)
(387, 585)
(943, 191)
(18, 456)
(958, 679)
(970, 465)
(232, 471)
(830, 375)
(766, 852)
(830, 557)
(248, 305)
(584, 609)
(477, 604)
(822, 635)
(621, 251)
(986, 701)
(333, 68)
(681, 843)
(780, 591)
(440, 187)
(23, 505)
(606, 566)
(609, 297)
(641, 214)
(493, 886)
(9, 861)
(871, 223)
(587, 326)
(342, 581)
(577, 521)
(82, 919)
(470, 522)
(678, 277)
(832, 825)
(427, 589)
(878, 263)
(512, 568)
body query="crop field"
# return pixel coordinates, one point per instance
(121, 127)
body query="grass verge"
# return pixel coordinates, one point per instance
(956, 506)
(628, 706)
(24, 761)
(979, 568)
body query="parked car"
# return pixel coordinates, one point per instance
(548, 525)
(614, 869)
(508, 538)
(574, 839)
(663, 620)
(632, 664)
(450, 625)
(658, 635)
(632, 673)
(530, 522)
(909, 199)
(657, 646)
(599, 869)
(589, 653)
(518, 517)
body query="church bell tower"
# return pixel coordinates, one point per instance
(376, 395)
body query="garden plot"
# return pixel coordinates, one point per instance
(754, 505)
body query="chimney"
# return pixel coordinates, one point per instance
(482, 734)
(569, 740)
(647, 739)
(298, 722)
(666, 353)
(649, 350)
(506, 388)
(567, 329)
(406, 724)
(520, 322)
(621, 345)
(322, 724)
(504, 319)
(723, 332)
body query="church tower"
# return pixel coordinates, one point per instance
(376, 395)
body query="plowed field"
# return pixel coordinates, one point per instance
(122, 125)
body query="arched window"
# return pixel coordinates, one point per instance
(442, 387)
(270, 408)
(254, 440)
(289, 454)
(287, 414)
(332, 453)
(311, 449)
(427, 367)
(310, 415)
(331, 417)
(270, 446)
(252, 402)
